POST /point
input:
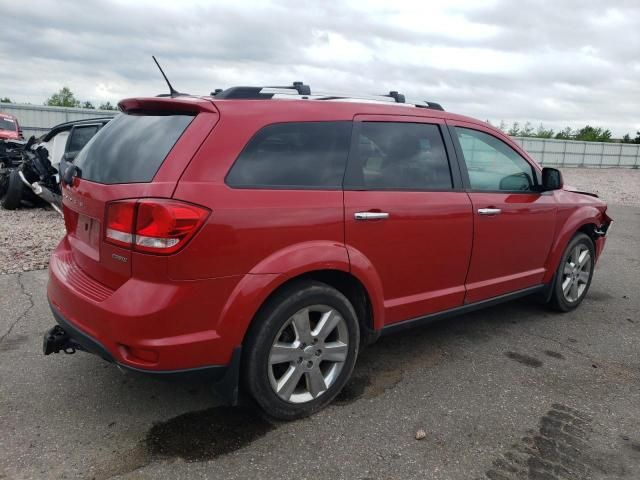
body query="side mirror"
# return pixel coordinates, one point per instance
(551, 179)
(516, 182)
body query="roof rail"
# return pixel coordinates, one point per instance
(298, 90)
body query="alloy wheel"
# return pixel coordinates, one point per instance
(576, 273)
(308, 353)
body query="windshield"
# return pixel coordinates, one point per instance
(8, 124)
(130, 148)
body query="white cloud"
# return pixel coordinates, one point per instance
(566, 63)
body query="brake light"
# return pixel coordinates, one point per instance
(119, 225)
(153, 225)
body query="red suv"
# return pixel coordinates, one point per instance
(9, 127)
(259, 237)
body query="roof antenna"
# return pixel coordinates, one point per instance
(172, 91)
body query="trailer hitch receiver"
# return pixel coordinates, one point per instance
(56, 340)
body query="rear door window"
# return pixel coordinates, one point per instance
(294, 155)
(130, 148)
(399, 156)
(80, 136)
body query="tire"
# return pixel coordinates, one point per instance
(575, 271)
(4, 181)
(312, 357)
(13, 195)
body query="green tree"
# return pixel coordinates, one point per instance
(5, 100)
(627, 138)
(566, 134)
(107, 106)
(514, 131)
(503, 126)
(527, 130)
(88, 104)
(542, 132)
(64, 98)
(593, 134)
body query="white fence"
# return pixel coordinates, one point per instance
(38, 119)
(569, 153)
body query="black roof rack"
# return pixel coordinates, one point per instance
(302, 91)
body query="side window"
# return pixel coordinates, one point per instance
(399, 156)
(492, 164)
(80, 136)
(290, 155)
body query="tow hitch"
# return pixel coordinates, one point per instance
(57, 339)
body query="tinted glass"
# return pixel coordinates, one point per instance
(492, 164)
(130, 148)
(80, 136)
(402, 156)
(305, 154)
(8, 124)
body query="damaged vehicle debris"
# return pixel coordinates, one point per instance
(30, 171)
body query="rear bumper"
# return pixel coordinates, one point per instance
(144, 324)
(223, 377)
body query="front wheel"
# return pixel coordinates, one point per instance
(574, 274)
(301, 350)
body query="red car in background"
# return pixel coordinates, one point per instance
(260, 237)
(9, 127)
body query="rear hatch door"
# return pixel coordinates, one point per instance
(141, 153)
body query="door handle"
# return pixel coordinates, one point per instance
(489, 211)
(370, 215)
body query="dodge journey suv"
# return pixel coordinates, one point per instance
(260, 237)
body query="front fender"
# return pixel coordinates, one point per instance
(566, 228)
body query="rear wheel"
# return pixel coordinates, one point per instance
(574, 274)
(13, 194)
(301, 350)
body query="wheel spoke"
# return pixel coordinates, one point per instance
(288, 382)
(566, 285)
(315, 382)
(568, 268)
(327, 323)
(284, 353)
(583, 258)
(583, 276)
(302, 327)
(574, 291)
(575, 254)
(335, 352)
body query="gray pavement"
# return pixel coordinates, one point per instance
(512, 392)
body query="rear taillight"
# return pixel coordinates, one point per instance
(153, 225)
(119, 224)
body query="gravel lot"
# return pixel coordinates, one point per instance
(617, 186)
(28, 236)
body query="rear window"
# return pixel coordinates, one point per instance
(130, 148)
(80, 136)
(8, 124)
(294, 155)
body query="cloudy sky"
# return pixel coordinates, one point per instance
(561, 63)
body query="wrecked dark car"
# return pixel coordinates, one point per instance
(30, 171)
